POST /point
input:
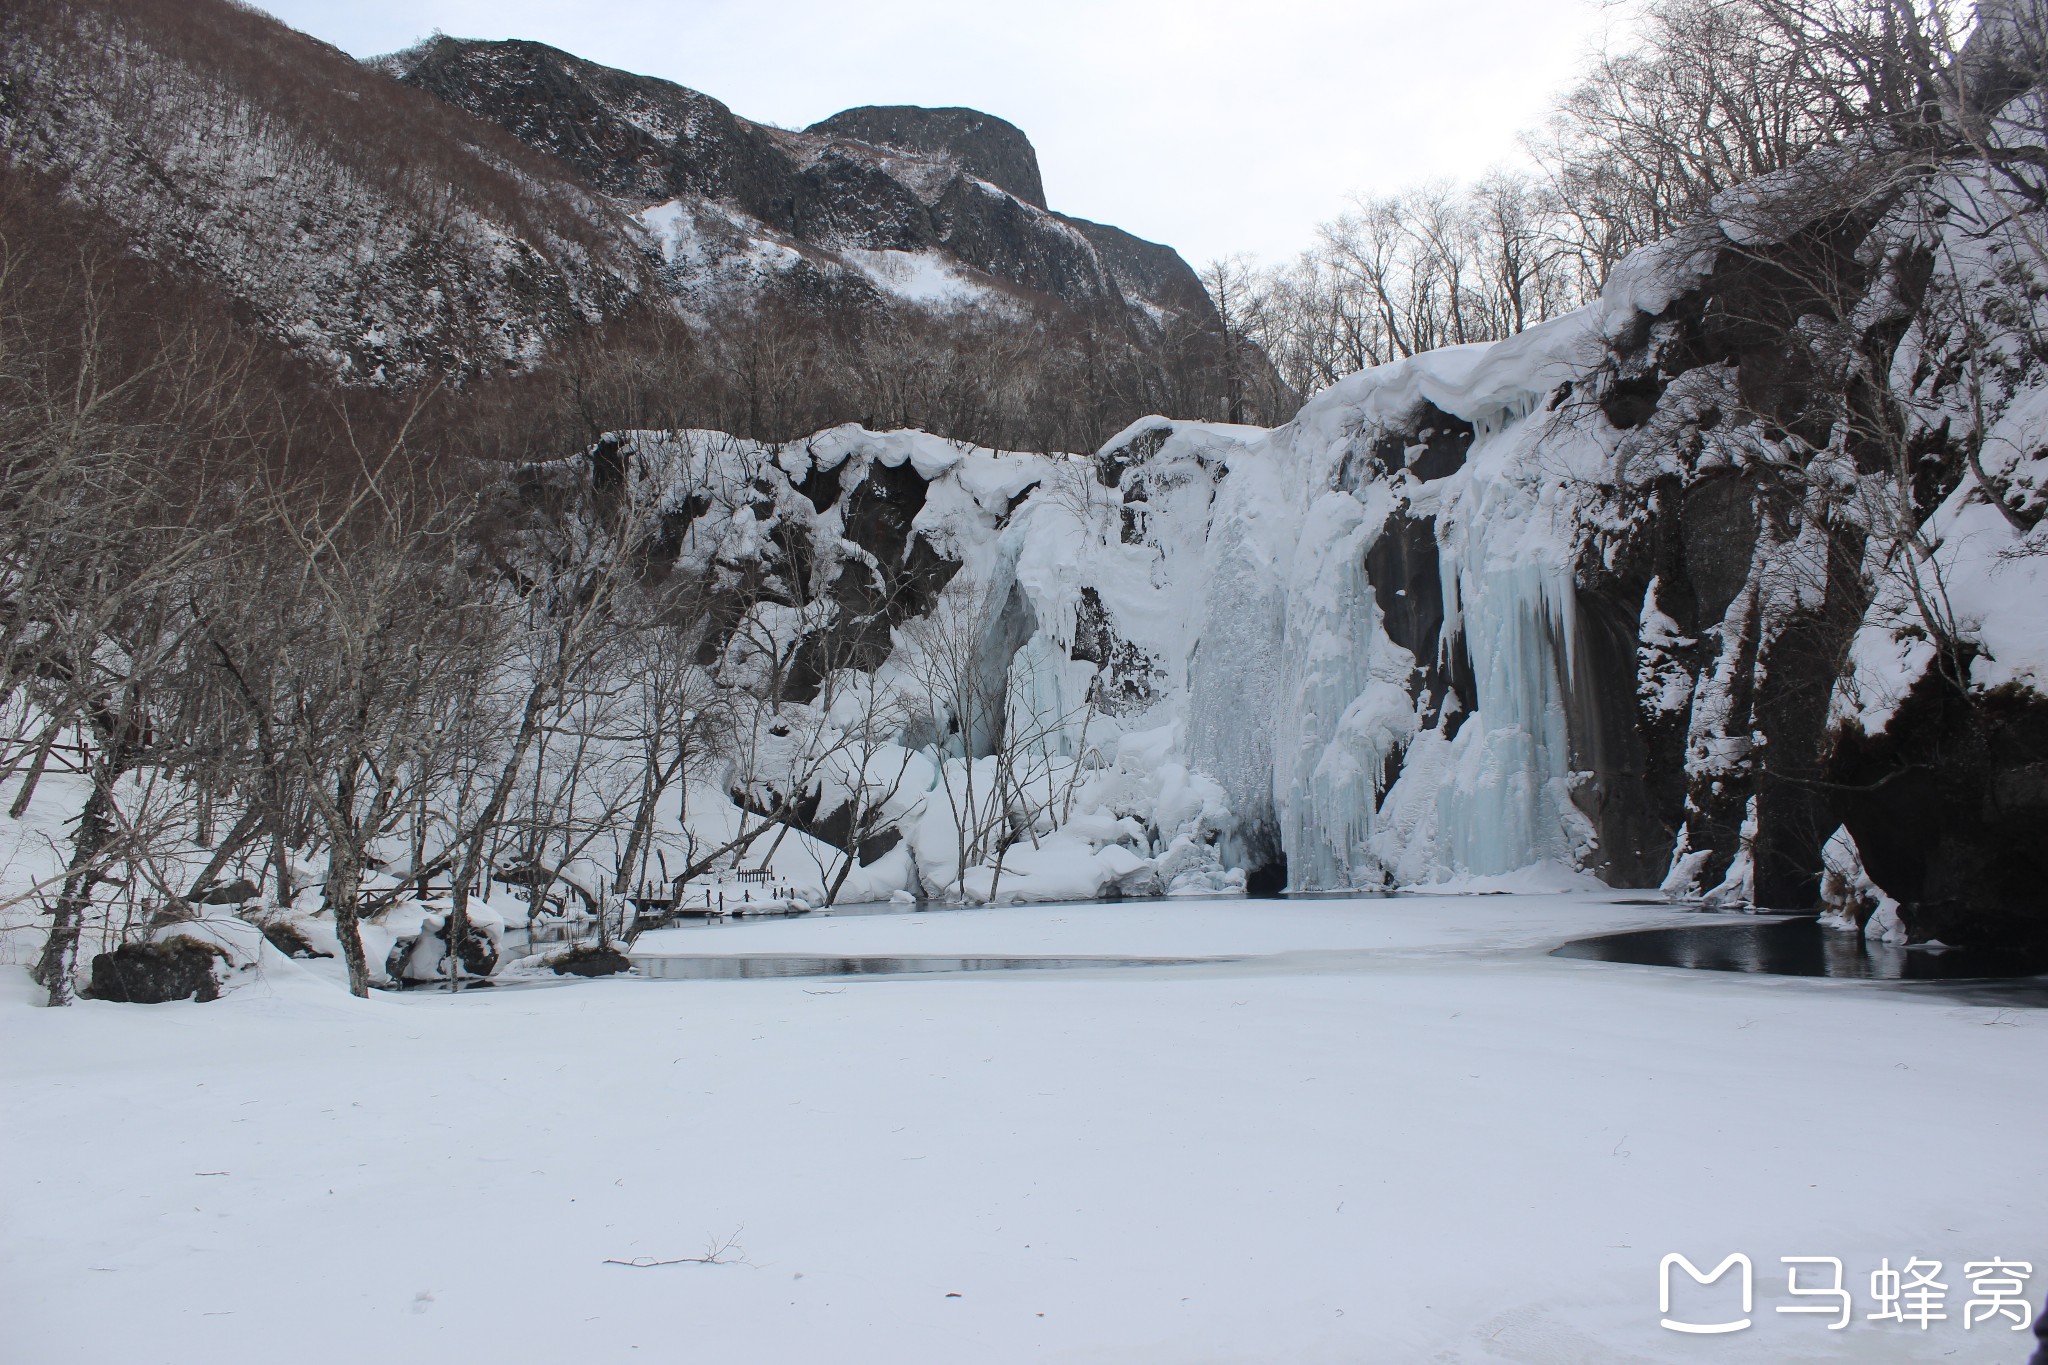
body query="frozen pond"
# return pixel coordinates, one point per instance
(740, 966)
(1381, 1130)
(1195, 928)
(1799, 946)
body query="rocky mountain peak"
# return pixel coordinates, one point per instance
(986, 147)
(631, 136)
(956, 186)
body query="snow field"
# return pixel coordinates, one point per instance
(1411, 1137)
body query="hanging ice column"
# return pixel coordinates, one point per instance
(1344, 704)
(1493, 799)
(1507, 801)
(1502, 787)
(1046, 701)
(1291, 529)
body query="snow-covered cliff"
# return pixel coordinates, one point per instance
(1635, 593)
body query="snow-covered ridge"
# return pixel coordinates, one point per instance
(361, 249)
(904, 202)
(387, 236)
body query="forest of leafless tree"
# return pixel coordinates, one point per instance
(1688, 99)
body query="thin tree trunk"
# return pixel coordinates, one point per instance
(344, 882)
(1003, 838)
(238, 838)
(280, 862)
(95, 832)
(838, 881)
(780, 835)
(629, 875)
(35, 772)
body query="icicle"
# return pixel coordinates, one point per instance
(1344, 700)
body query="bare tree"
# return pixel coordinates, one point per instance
(350, 669)
(112, 428)
(996, 748)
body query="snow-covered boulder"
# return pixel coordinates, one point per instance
(189, 959)
(156, 973)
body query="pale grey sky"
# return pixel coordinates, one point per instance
(1212, 125)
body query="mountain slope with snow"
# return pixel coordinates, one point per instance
(468, 209)
(360, 222)
(953, 190)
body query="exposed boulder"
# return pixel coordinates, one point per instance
(422, 957)
(589, 959)
(289, 937)
(158, 972)
(240, 891)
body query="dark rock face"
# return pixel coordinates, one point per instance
(1718, 521)
(1796, 810)
(1402, 566)
(1715, 605)
(630, 136)
(1436, 447)
(1948, 807)
(985, 146)
(157, 973)
(1146, 270)
(879, 517)
(1625, 739)
(895, 178)
(1733, 705)
(1126, 682)
(1634, 817)
(877, 508)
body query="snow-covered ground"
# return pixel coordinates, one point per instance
(1411, 1136)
